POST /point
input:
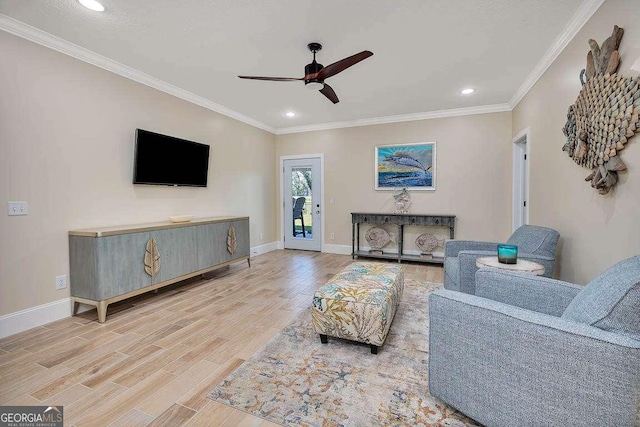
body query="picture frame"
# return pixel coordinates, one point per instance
(411, 166)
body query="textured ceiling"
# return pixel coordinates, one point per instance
(425, 51)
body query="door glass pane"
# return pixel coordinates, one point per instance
(302, 202)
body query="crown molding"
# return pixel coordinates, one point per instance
(35, 35)
(20, 29)
(484, 109)
(581, 17)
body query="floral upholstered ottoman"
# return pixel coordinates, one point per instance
(359, 303)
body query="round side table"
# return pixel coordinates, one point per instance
(521, 266)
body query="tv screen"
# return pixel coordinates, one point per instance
(165, 160)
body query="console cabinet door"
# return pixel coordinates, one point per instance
(209, 244)
(120, 264)
(212, 243)
(242, 239)
(178, 251)
(221, 232)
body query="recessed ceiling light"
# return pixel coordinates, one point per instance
(290, 114)
(92, 4)
(467, 91)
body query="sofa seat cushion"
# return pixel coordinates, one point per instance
(611, 301)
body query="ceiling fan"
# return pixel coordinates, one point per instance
(315, 74)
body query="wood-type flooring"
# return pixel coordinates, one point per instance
(159, 354)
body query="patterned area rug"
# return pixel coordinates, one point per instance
(296, 380)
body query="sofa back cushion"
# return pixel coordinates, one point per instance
(533, 239)
(611, 301)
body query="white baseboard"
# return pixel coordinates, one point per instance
(263, 249)
(337, 249)
(33, 317)
(280, 244)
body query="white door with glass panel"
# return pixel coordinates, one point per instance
(302, 204)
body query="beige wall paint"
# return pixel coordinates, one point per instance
(597, 231)
(473, 155)
(66, 147)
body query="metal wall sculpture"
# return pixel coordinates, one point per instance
(604, 116)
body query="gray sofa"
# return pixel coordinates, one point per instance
(534, 243)
(532, 351)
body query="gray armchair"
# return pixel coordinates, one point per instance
(534, 243)
(531, 351)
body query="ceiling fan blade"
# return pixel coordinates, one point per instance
(343, 64)
(329, 93)
(273, 79)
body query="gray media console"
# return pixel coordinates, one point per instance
(114, 263)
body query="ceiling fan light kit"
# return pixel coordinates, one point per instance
(313, 68)
(315, 74)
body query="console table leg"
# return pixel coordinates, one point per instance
(102, 311)
(353, 241)
(249, 262)
(76, 304)
(400, 243)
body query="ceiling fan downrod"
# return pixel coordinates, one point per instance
(313, 68)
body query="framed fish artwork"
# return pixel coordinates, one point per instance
(410, 166)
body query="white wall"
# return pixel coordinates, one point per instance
(66, 147)
(597, 231)
(473, 182)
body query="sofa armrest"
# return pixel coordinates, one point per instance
(503, 365)
(467, 261)
(526, 291)
(452, 247)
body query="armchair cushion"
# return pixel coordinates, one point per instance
(611, 301)
(533, 239)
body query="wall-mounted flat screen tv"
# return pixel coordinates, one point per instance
(165, 160)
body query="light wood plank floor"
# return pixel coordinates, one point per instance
(158, 355)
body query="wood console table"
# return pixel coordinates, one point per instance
(109, 264)
(400, 220)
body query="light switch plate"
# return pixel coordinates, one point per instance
(17, 208)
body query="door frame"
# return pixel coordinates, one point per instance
(521, 167)
(281, 202)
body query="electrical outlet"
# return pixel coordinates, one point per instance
(333, 236)
(261, 237)
(17, 208)
(61, 282)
